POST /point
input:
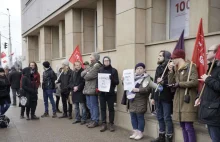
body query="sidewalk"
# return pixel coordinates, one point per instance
(56, 130)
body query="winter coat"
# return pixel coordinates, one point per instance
(209, 110)
(182, 111)
(4, 90)
(166, 95)
(36, 78)
(90, 75)
(14, 78)
(77, 80)
(64, 81)
(49, 78)
(114, 79)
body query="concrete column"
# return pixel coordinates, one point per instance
(55, 42)
(100, 26)
(32, 49)
(62, 39)
(72, 30)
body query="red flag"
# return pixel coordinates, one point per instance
(217, 55)
(3, 55)
(199, 53)
(76, 56)
(4, 61)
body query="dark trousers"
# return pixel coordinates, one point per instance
(14, 93)
(4, 107)
(65, 97)
(57, 102)
(188, 131)
(214, 133)
(32, 108)
(109, 100)
(22, 110)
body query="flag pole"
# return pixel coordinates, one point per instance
(190, 70)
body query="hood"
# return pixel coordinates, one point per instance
(107, 58)
(26, 71)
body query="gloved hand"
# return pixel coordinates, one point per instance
(97, 90)
(174, 85)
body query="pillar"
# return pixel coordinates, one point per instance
(62, 52)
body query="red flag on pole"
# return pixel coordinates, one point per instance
(3, 55)
(199, 54)
(76, 56)
(217, 55)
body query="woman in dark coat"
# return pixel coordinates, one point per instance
(4, 92)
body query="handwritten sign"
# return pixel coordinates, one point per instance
(128, 79)
(104, 82)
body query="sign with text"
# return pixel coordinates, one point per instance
(128, 79)
(179, 18)
(104, 82)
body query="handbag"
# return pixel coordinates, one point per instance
(23, 98)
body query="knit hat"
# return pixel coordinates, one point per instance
(46, 64)
(96, 56)
(179, 53)
(2, 70)
(107, 58)
(65, 62)
(86, 63)
(140, 65)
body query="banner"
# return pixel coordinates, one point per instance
(128, 79)
(3, 55)
(104, 82)
(76, 56)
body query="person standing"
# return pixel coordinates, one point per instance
(183, 110)
(58, 90)
(209, 110)
(163, 100)
(48, 87)
(108, 98)
(90, 75)
(14, 78)
(77, 84)
(64, 81)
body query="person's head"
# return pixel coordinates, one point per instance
(13, 68)
(26, 71)
(94, 57)
(65, 64)
(178, 56)
(140, 68)
(77, 65)
(212, 52)
(46, 65)
(106, 61)
(86, 64)
(6, 69)
(33, 66)
(163, 56)
(2, 72)
(60, 69)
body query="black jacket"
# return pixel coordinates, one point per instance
(14, 78)
(64, 81)
(209, 110)
(49, 78)
(77, 80)
(114, 78)
(4, 90)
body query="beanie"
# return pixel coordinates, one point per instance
(179, 53)
(46, 64)
(2, 70)
(140, 65)
(96, 56)
(86, 63)
(107, 58)
(65, 62)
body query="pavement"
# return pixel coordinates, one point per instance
(56, 130)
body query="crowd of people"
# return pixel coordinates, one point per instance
(177, 100)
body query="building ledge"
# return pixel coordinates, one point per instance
(55, 59)
(106, 51)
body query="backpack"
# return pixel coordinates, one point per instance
(4, 121)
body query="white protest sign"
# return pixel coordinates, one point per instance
(104, 82)
(128, 79)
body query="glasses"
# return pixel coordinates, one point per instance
(210, 51)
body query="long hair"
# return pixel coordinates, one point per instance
(35, 64)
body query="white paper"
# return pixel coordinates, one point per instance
(104, 82)
(128, 79)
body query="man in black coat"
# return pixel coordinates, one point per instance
(14, 78)
(76, 85)
(108, 97)
(209, 110)
(163, 100)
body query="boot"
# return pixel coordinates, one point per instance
(111, 127)
(89, 123)
(54, 115)
(70, 116)
(134, 134)
(139, 135)
(169, 138)
(64, 116)
(28, 118)
(93, 125)
(34, 117)
(161, 138)
(45, 115)
(22, 117)
(104, 127)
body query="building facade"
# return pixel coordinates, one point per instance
(129, 31)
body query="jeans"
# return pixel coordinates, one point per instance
(31, 108)
(77, 112)
(188, 131)
(49, 94)
(214, 133)
(65, 97)
(164, 111)
(109, 99)
(4, 108)
(15, 92)
(93, 105)
(137, 121)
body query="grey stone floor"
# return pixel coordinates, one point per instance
(56, 130)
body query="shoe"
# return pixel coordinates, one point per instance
(93, 125)
(34, 117)
(54, 115)
(161, 138)
(111, 127)
(58, 111)
(104, 127)
(70, 116)
(45, 115)
(64, 116)
(89, 123)
(28, 118)
(169, 138)
(77, 121)
(139, 135)
(134, 134)
(22, 117)
(83, 122)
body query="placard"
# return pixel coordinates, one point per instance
(104, 82)
(128, 79)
